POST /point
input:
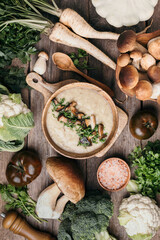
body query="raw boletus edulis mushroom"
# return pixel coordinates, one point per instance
(67, 180)
(127, 42)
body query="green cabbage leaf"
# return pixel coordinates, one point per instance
(16, 128)
(141, 237)
(11, 146)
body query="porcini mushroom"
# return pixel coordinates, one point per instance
(127, 42)
(68, 180)
(100, 130)
(154, 73)
(62, 118)
(154, 47)
(123, 60)
(155, 90)
(128, 77)
(147, 61)
(40, 66)
(136, 55)
(143, 90)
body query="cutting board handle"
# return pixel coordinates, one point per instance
(35, 81)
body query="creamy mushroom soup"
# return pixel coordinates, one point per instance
(92, 117)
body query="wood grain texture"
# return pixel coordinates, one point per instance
(36, 140)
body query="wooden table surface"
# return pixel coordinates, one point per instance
(36, 140)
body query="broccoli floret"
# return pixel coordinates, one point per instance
(65, 230)
(85, 225)
(88, 217)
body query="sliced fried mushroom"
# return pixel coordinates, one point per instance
(68, 180)
(123, 60)
(147, 61)
(127, 42)
(62, 118)
(143, 90)
(59, 108)
(154, 47)
(128, 77)
(136, 55)
(41, 65)
(93, 134)
(154, 73)
(100, 130)
(85, 140)
(78, 122)
(55, 101)
(87, 122)
(80, 115)
(71, 107)
(93, 121)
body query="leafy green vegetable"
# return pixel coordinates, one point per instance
(80, 59)
(132, 186)
(13, 78)
(147, 163)
(142, 237)
(88, 217)
(18, 198)
(11, 146)
(16, 128)
(16, 41)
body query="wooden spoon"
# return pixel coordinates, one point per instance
(64, 62)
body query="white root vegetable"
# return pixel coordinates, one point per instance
(61, 34)
(78, 24)
(73, 20)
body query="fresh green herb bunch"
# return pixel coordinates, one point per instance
(147, 163)
(87, 135)
(80, 59)
(16, 41)
(18, 198)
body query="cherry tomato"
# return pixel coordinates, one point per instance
(143, 124)
(23, 168)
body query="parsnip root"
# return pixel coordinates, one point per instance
(61, 34)
(78, 24)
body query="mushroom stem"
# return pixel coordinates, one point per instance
(61, 203)
(41, 65)
(47, 201)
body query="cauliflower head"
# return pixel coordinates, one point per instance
(140, 216)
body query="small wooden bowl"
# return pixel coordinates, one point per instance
(128, 178)
(142, 39)
(50, 91)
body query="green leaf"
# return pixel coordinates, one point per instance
(3, 90)
(16, 98)
(124, 218)
(12, 146)
(132, 186)
(16, 127)
(141, 237)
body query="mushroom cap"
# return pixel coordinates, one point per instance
(147, 61)
(154, 73)
(128, 77)
(67, 176)
(44, 55)
(136, 55)
(123, 60)
(143, 90)
(126, 41)
(154, 47)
